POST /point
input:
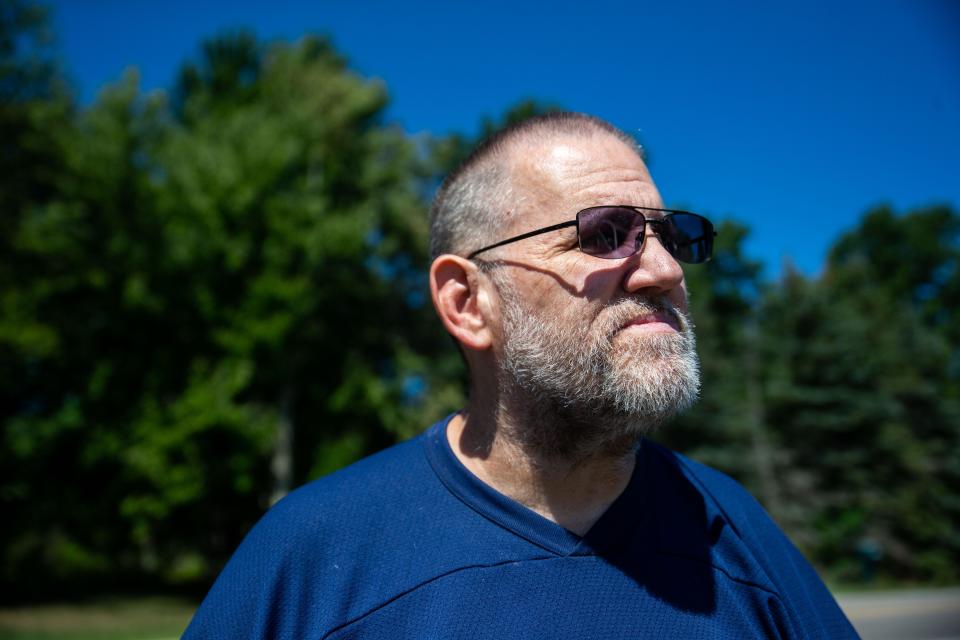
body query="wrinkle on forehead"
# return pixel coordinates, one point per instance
(566, 165)
(583, 172)
(614, 192)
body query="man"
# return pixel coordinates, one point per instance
(538, 511)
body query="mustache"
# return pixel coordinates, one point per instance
(618, 313)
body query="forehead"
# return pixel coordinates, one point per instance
(556, 177)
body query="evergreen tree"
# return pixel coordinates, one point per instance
(860, 396)
(206, 290)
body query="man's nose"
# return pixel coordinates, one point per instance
(653, 269)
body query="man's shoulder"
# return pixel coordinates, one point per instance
(312, 551)
(350, 493)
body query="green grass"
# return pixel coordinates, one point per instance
(151, 618)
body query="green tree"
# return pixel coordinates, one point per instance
(209, 284)
(908, 260)
(35, 111)
(858, 393)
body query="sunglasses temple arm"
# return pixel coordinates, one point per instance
(524, 236)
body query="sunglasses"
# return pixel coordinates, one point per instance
(618, 231)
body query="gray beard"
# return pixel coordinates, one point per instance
(581, 389)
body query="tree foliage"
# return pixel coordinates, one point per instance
(861, 386)
(199, 282)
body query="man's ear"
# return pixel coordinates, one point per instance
(460, 302)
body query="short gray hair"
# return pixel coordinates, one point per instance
(474, 198)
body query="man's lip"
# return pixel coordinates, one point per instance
(654, 317)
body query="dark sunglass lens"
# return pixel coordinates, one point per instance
(609, 232)
(688, 237)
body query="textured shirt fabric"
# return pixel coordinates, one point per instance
(409, 544)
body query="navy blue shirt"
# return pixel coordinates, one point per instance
(409, 544)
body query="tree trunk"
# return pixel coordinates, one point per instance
(282, 463)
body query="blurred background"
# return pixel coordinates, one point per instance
(213, 252)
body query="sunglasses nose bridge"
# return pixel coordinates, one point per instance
(655, 225)
(653, 235)
(662, 230)
(650, 227)
(643, 231)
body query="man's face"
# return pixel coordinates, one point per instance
(602, 343)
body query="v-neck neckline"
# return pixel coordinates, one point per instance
(605, 536)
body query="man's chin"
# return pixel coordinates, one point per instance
(654, 387)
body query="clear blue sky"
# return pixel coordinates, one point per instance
(793, 117)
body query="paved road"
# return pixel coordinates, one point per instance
(921, 614)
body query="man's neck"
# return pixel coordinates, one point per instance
(573, 493)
